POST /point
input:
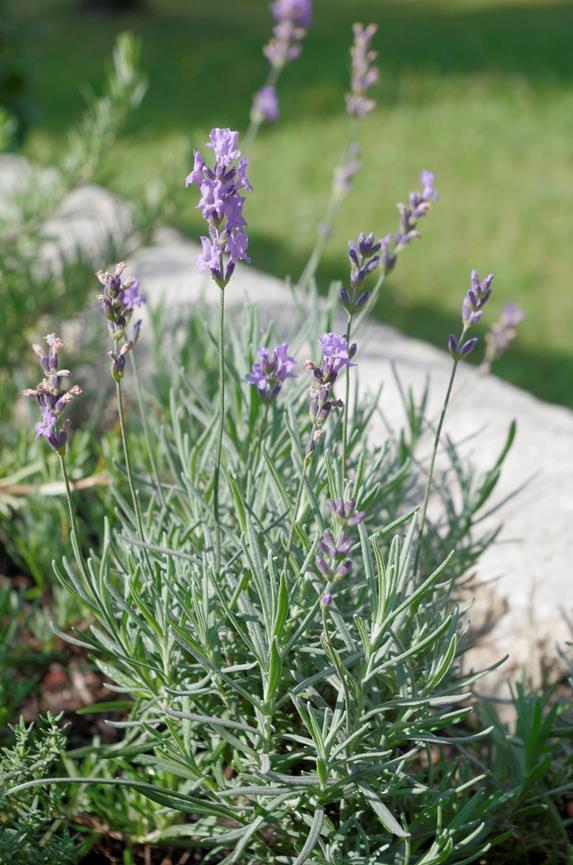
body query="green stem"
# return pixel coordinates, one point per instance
(73, 524)
(346, 401)
(295, 511)
(437, 437)
(146, 430)
(327, 223)
(127, 459)
(221, 428)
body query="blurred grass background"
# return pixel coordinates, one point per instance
(479, 91)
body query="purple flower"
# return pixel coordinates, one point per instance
(364, 74)
(418, 206)
(52, 397)
(334, 563)
(345, 173)
(344, 512)
(272, 370)
(335, 355)
(476, 298)
(265, 105)
(501, 334)
(363, 261)
(118, 301)
(297, 11)
(292, 18)
(221, 205)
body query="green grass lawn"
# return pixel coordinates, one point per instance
(479, 92)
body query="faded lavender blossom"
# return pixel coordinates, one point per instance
(222, 205)
(345, 173)
(364, 74)
(363, 261)
(265, 105)
(476, 298)
(501, 334)
(344, 512)
(336, 354)
(292, 18)
(119, 299)
(51, 395)
(417, 207)
(334, 563)
(271, 371)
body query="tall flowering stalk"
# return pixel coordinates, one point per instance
(292, 19)
(501, 334)
(53, 397)
(358, 104)
(336, 354)
(364, 260)
(119, 300)
(460, 348)
(418, 206)
(221, 205)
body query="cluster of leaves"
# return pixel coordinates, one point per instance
(268, 729)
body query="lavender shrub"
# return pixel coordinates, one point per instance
(288, 643)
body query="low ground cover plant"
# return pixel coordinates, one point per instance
(275, 608)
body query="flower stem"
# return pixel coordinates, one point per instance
(146, 430)
(127, 459)
(434, 454)
(71, 514)
(346, 401)
(220, 431)
(295, 511)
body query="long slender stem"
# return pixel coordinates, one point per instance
(327, 223)
(72, 516)
(437, 437)
(295, 511)
(346, 401)
(221, 428)
(146, 430)
(127, 459)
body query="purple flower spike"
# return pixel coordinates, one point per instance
(334, 563)
(364, 74)
(344, 512)
(292, 17)
(476, 298)
(265, 105)
(335, 355)
(363, 261)
(345, 173)
(52, 397)
(272, 370)
(221, 205)
(501, 334)
(119, 299)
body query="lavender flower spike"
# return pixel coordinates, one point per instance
(271, 372)
(364, 74)
(418, 206)
(501, 334)
(292, 18)
(265, 105)
(363, 261)
(476, 298)
(119, 299)
(336, 354)
(52, 396)
(334, 563)
(222, 205)
(344, 512)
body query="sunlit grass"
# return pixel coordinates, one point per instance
(480, 92)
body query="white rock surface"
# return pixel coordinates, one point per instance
(528, 571)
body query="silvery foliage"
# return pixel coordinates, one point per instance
(286, 736)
